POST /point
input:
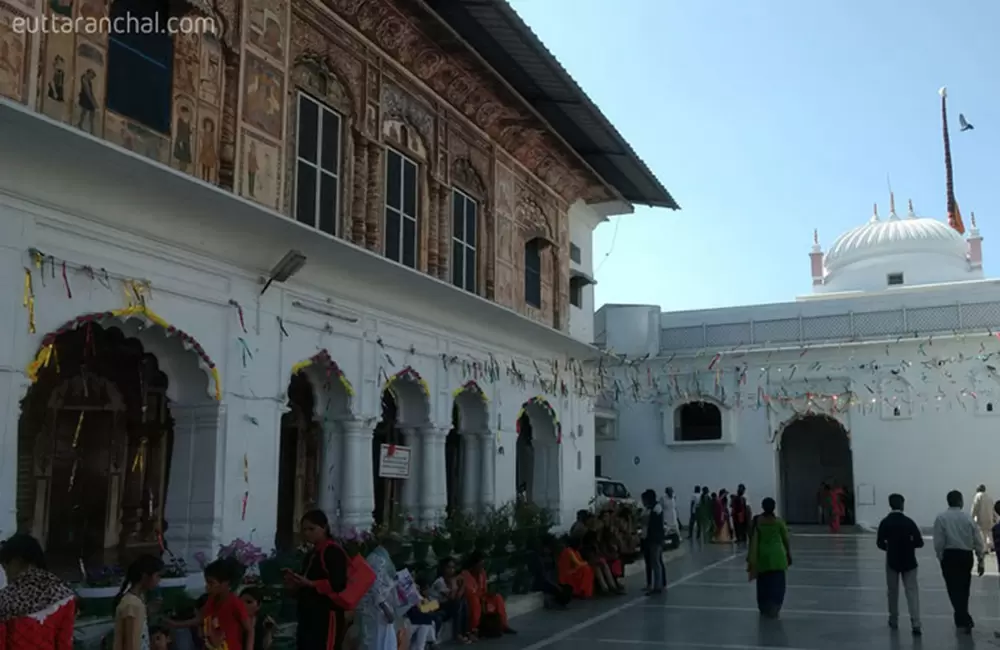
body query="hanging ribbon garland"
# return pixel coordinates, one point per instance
(408, 374)
(323, 359)
(472, 388)
(47, 352)
(246, 482)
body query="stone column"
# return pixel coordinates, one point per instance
(411, 487)
(359, 205)
(193, 522)
(357, 494)
(13, 388)
(330, 465)
(373, 216)
(487, 471)
(433, 478)
(471, 468)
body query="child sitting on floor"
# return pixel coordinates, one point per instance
(424, 617)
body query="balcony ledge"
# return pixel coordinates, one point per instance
(56, 166)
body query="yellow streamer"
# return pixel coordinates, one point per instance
(139, 462)
(79, 427)
(29, 300)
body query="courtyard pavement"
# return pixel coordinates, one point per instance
(835, 601)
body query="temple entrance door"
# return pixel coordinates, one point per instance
(453, 464)
(524, 482)
(298, 462)
(387, 490)
(815, 449)
(94, 441)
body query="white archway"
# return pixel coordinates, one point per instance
(538, 469)
(813, 449)
(467, 451)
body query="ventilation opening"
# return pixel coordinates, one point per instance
(989, 407)
(894, 279)
(895, 411)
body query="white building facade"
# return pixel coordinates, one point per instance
(130, 280)
(883, 380)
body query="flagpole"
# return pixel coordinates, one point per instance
(954, 216)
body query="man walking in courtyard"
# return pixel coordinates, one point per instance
(956, 539)
(900, 538)
(693, 514)
(982, 514)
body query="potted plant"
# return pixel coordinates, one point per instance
(98, 590)
(420, 542)
(174, 574)
(441, 543)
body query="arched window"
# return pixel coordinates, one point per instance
(140, 62)
(697, 421)
(533, 273)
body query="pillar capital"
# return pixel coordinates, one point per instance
(355, 427)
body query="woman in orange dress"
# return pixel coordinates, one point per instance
(479, 599)
(575, 571)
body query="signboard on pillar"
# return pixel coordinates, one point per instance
(394, 462)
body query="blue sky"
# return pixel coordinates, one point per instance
(768, 118)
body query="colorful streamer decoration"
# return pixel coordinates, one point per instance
(410, 375)
(47, 353)
(472, 388)
(325, 361)
(545, 406)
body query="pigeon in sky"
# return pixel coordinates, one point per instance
(963, 124)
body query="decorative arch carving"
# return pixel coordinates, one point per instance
(332, 391)
(315, 73)
(539, 404)
(406, 122)
(838, 417)
(467, 177)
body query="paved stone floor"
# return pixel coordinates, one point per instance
(835, 601)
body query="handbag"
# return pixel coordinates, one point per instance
(360, 578)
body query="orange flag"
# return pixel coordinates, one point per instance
(955, 218)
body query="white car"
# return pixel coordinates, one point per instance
(608, 491)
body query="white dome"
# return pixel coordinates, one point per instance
(877, 239)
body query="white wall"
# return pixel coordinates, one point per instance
(192, 292)
(917, 268)
(582, 222)
(934, 446)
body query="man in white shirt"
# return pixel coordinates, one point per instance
(956, 539)
(982, 514)
(693, 519)
(669, 511)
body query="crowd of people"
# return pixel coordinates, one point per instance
(719, 517)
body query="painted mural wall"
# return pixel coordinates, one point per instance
(380, 68)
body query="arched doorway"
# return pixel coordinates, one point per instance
(95, 440)
(405, 410)
(312, 445)
(537, 466)
(298, 461)
(814, 449)
(464, 460)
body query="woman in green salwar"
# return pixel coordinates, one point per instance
(768, 559)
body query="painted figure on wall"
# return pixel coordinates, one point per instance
(187, 61)
(252, 168)
(87, 101)
(12, 47)
(57, 83)
(137, 138)
(267, 26)
(264, 89)
(208, 158)
(182, 138)
(61, 7)
(89, 61)
(259, 171)
(210, 70)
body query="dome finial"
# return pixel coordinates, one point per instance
(892, 206)
(816, 232)
(972, 217)
(875, 212)
(910, 213)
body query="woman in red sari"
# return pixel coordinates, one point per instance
(37, 609)
(720, 511)
(836, 507)
(478, 597)
(574, 571)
